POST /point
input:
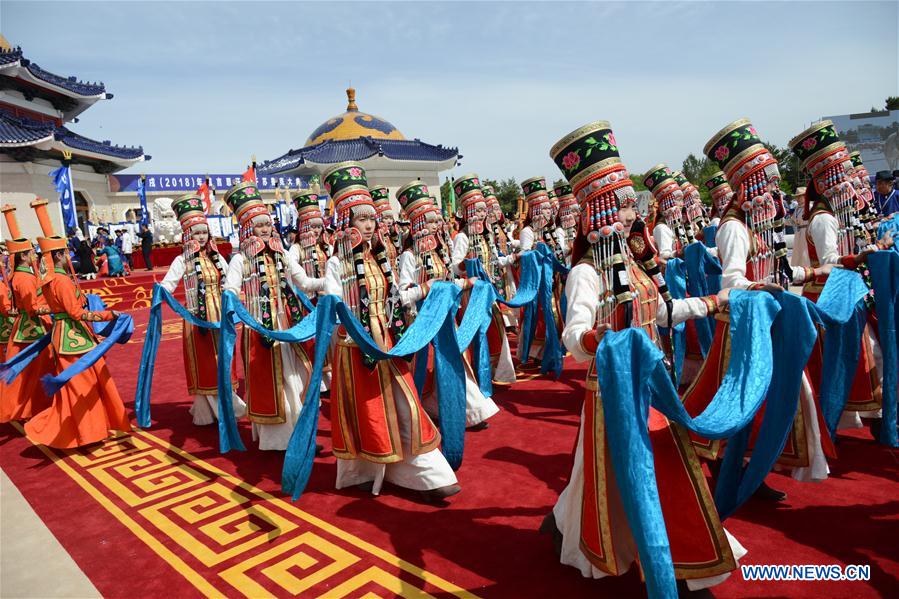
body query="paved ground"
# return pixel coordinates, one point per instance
(32, 562)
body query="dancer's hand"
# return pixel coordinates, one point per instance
(723, 298)
(823, 270)
(600, 330)
(886, 242)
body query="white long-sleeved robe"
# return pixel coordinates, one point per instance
(582, 289)
(663, 236)
(733, 250)
(421, 472)
(277, 436)
(505, 368)
(205, 409)
(478, 407)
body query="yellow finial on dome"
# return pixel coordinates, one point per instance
(351, 100)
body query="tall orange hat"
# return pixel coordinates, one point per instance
(50, 241)
(16, 242)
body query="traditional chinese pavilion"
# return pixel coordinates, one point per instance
(36, 109)
(389, 158)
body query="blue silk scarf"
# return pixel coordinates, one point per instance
(116, 331)
(772, 337)
(844, 316)
(884, 269)
(708, 235)
(632, 376)
(151, 347)
(13, 367)
(675, 279)
(434, 324)
(703, 278)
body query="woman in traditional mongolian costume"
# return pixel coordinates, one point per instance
(504, 276)
(567, 219)
(276, 372)
(88, 406)
(7, 312)
(311, 252)
(540, 227)
(24, 397)
(752, 251)
(388, 229)
(422, 262)
(201, 269)
(611, 285)
(835, 235)
(474, 241)
(381, 432)
(721, 193)
(669, 231)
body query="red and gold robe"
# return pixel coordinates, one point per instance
(865, 393)
(699, 545)
(363, 400)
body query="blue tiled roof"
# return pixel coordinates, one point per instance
(10, 56)
(333, 151)
(71, 84)
(79, 142)
(16, 131)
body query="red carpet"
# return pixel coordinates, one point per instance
(128, 293)
(137, 521)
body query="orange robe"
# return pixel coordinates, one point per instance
(6, 319)
(25, 397)
(88, 406)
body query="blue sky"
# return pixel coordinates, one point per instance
(204, 85)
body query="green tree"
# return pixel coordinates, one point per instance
(791, 173)
(892, 103)
(445, 196)
(507, 192)
(698, 170)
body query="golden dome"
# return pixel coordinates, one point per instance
(353, 124)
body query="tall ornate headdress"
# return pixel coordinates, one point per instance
(664, 188)
(720, 191)
(827, 161)
(751, 170)
(692, 200)
(469, 195)
(246, 203)
(536, 196)
(588, 158)
(50, 240)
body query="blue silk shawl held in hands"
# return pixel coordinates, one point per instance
(10, 369)
(884, 269)
(536, 283)
(433, 324)
(772, 338)
(151, 347)
(633, 377)
(115, 331)
(709, 234)
(844, 316)
(703, 278)
(675, 278)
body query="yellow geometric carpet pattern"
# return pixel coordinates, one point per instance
(227, 537)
